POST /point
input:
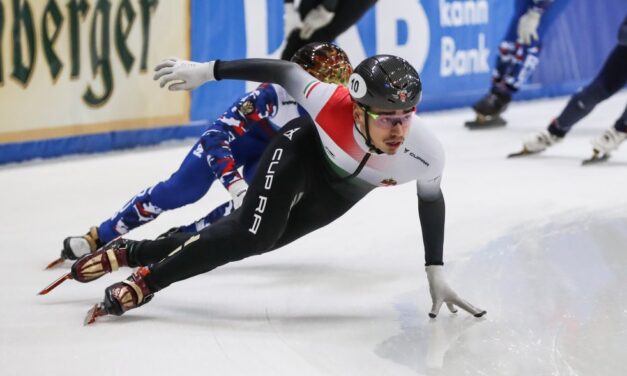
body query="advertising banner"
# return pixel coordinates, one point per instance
(75, 75)
(85, 66)
(452, 43)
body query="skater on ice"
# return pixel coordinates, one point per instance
(357, 138)
(236, 139)
(609, 80)
(518, 57)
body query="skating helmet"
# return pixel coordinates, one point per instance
(386, 82)
(325, 61)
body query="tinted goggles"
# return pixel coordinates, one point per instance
(388, 121)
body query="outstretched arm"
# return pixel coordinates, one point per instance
(431, 210)
(188, 75)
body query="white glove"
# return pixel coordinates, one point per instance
(441, 292)
(314, 20)
(528, 26)
(238, 191)
(183, 74)
(291, 19)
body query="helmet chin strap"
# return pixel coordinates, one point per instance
(367, 138)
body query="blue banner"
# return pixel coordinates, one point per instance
(452, 43)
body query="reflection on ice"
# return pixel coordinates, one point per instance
(424, 343)
(556, 300)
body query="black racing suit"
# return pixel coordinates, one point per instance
(291, 195)
(296, 189)
(610, 79)
(347, 13)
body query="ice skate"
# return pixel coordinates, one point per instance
(596, 157)
(94, 265)
(77, 246)
(105, 260)
(123, 296)
(602, 146)
(609, 141)
(537, 143)
(489, 110)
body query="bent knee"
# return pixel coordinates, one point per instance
(249, 238)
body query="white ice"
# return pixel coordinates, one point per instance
(538, 242)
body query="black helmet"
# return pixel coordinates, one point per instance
(325, 61)
(387, 82)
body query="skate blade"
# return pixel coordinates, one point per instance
(521, 153)
(597, 157)
(55, 263)
(485, 122)
(96, 311)
(56, 283)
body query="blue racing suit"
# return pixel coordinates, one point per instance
(516, 62)
(236, 139)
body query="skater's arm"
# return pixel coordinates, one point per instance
(430, 199)
(431, 211)
(253, 108)
(304, 88)
(216, 145)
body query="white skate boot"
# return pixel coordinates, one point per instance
(77, 246)
(609, 141)
(604, 144)
(540, 142)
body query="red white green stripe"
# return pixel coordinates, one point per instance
(309, 88)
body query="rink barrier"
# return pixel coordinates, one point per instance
(95, 143)
(453, 44)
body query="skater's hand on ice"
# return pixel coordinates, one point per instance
(441, 293)
(238, 191)
(180, 74)
(528, 26)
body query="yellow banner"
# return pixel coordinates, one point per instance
(85, 66)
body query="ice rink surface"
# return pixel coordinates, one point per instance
(539, 242)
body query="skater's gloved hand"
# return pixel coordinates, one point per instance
(238, 191)
(317, 18)
(291, 19)
(182, 74)
(528, 26)
(441, 293)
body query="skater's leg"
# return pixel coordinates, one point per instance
(224, 209)
(259, 223)
(610, 79)
(187, 185)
